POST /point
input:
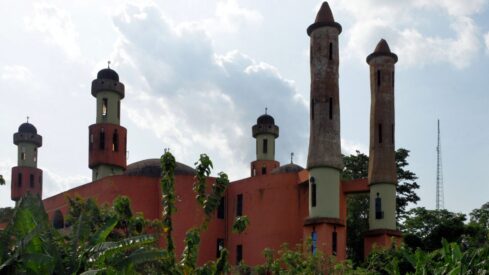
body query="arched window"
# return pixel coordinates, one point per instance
(105, 104)
(31, 181)
(313, 191)
(378, 77)
(379, 214)
(102, 139)
(58, 220)
(264, 170)
(115, 141)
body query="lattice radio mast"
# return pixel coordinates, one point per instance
(439, 174)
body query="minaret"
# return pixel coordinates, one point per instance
(324, 159)
(107, 139)
(265, 132)
(26, 177)
(382, 176)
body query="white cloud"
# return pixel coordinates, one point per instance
(57, 26)
(486, 40)
(196, 100)
(15, 72)
(54, 182)
(406, 25)
(350, 148)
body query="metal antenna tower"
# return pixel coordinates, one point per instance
(439, 174)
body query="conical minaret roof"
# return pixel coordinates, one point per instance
(382, 49)
(324, 18)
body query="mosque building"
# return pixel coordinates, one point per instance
(284, 203)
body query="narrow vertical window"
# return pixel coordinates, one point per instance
(118, 109)
(334, 242)
(105, 102)
(393, 135)
(34, 158)
(22, 153)
(58, 220)
(90, 144)
(239, 253)
(265, 146)
(253, 172)
(380, 133)
(314, 238)
(239, 205)
(264, 170)
(330, 51)
(378, 77)
(19, 180)
(379, 214)
(31, 181)
(220, 209)
(393, 78)
(313, 191)
(312, 109)
(115, 141)
(330, 108)
(102, 139)
(219, 247)
(40, 180)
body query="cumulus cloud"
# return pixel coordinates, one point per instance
(406, 26)
(197, 100)
(57, 26)
(15, 72)
(54, 182)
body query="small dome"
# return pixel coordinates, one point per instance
(152, 168)
(27, 128)
(265, 119)
(288, 168)
(108, 73)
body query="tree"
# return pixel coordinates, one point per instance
(356, 167)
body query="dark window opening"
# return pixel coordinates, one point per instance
(264, 170)
(314, 238)
(102, 139)
(19, 180)
(239, 253)
(379, 214)
(115, 141)
(312, 109)
(40, 180)
(239, 205)
(105, 102)
(22, 156)
(118, 109)
(90, 144)
(330, 51)
(220, 209)
(313, 192)
(219, 247)
(392, 79)
(378, 77)
(380, 133)
(330, 108)
(335, 242)
(31, 181)
(58, 220)
(265, 146)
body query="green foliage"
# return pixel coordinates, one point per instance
(2, 181)
(240, 224)
(6, 214)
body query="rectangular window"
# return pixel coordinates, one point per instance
(313, 194)
(219, 247)
(220, 209)
(265, 146)
(102, 139)
(31, 180)
(239, 205)
(239, 253)
(380, 133)
(392, 79)
(314, 238)
(19, 180)
(330, 51)
(330, 108)
(105, 102)
(335, 243)
(312, 109)
(392, 126)
(378, 78)
(264, 170)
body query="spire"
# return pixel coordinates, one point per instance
(27, 119)
(292, 158)
(108, 64)
(324, 14)
(382, 49)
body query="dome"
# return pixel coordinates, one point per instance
(27, 128)
(288, 168)
(265, 119)
(108, 73)
(152, 168)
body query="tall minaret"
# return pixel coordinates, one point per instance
(324, 162)
(26, 177)
(107, 139)
(265, 132)
(382, 176)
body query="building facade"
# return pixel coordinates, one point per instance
(284, 203)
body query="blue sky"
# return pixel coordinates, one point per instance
(199, 73)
